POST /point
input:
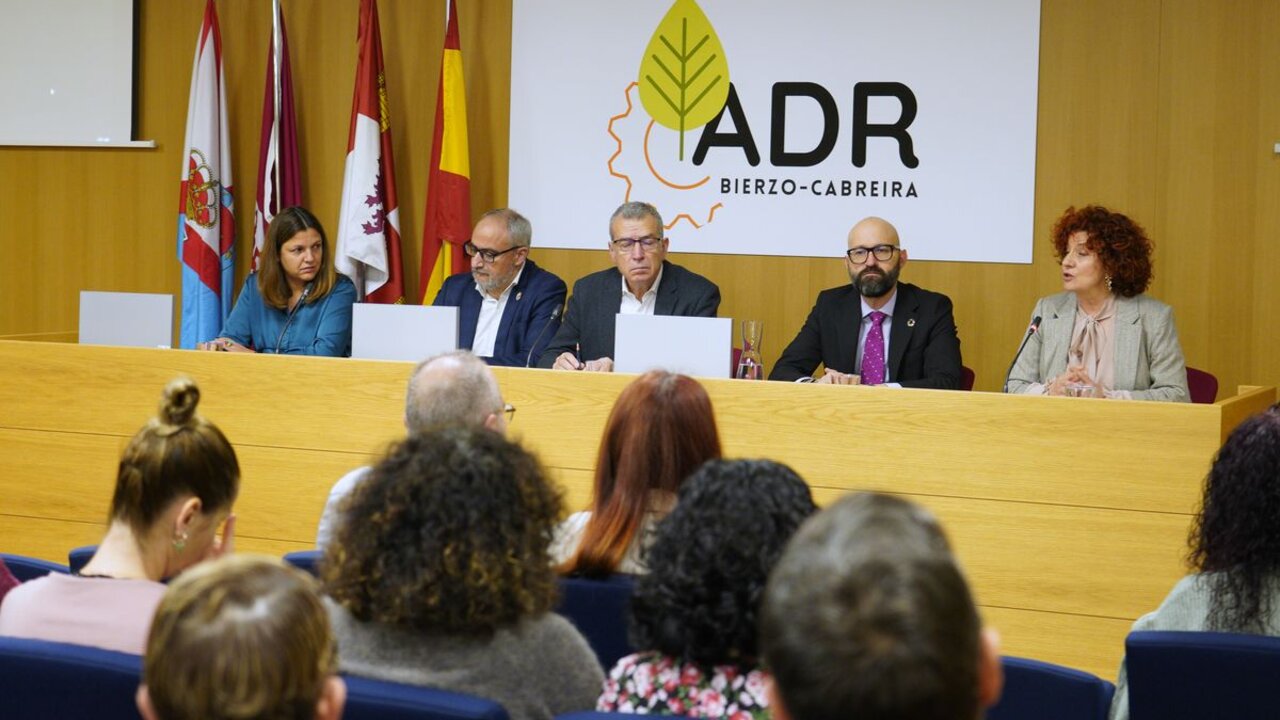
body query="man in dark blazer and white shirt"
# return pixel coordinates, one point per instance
(643, 282)
(922, 350)
(505, 305)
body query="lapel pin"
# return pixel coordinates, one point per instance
(911, 322)
(518, 296)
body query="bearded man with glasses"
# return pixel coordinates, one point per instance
(876, 330)
(508, 306)
(642, 282)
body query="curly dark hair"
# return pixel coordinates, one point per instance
(1120, 243)
(710, 559)
(1235, 536)
(449, 533)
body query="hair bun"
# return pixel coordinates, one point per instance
(181, 396)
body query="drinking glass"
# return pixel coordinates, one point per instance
(750, 366)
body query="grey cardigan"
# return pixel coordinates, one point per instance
(1149, 360)
(1186, 608)
(540, 668)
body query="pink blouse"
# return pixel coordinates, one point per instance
(102, 612)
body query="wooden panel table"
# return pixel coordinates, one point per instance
(1070, 516)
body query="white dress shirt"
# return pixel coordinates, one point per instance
(491, 310)
(643, 306)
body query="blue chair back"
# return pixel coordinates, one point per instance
(1035, 690)
(79, 557)
(308, 560)
(369, 699)
(1175, 675)
(28, 568)
(40, 679)
(600, 609)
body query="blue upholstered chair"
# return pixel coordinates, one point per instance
(1035, 690)
(600, 609)
(40, 679)
(308, 560)
(79, 557)
(1177, 675)
(377, 700)
(28, 568)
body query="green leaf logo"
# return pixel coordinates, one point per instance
(684, 77)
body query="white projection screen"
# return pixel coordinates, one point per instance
(67, 72)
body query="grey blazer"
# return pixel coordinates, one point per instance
(1149, 360)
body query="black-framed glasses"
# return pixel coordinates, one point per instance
(485, 254)
(648, 242)
(883, 253)
(509, 410)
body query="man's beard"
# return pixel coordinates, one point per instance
(876, 282)
(489, 283)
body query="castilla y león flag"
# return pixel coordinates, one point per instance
(206, 223)
(448, 221)
(368, 247)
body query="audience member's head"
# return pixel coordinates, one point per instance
(453, 389)
(448, 534)
(241, 637)
(661, 429)
(499, 247)
(710, 560)
(1235, 536)
(867, 615)
(1122, 248)
(176, 482)
(296, 251)
(637, 245)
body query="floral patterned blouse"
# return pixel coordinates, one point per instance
(653, 683)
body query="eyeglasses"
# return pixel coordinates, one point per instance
(883, 253)
(509, 410)
(484, 253)
(647, 243)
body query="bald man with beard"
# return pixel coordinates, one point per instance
(876, 330)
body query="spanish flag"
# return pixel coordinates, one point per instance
(448, 221)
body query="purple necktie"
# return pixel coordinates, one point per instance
(873, 351)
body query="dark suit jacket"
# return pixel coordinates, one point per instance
(537, 294)
(924, 350)
(593, 307)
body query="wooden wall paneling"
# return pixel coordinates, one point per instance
(283, 490)
(250, 402)
(71, 476)
(1218, 183)
(1028, 555)
(1090, 643)
(59, 475)
(45, 538)
(1265, 302)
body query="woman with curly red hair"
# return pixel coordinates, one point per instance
(1102, 337)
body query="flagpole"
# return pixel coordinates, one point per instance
(275, 116)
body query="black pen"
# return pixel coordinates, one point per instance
(577, 355)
